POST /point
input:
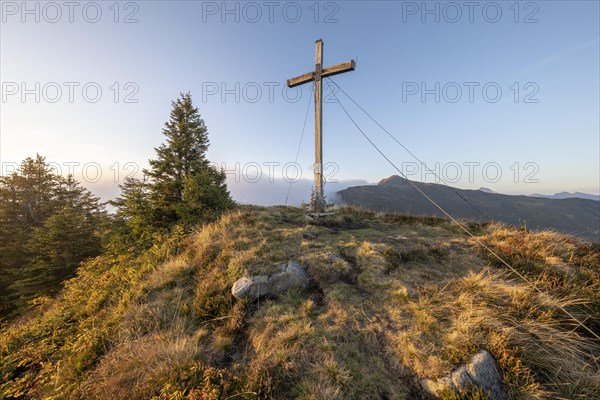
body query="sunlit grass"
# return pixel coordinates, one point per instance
(393, 300)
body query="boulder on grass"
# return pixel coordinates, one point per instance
(290, 275)
(481, 371)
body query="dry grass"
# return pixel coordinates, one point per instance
(393, 300)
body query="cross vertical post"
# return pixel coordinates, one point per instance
(319, 198)
(317, 76)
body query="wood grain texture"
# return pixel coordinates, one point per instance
(317, 76)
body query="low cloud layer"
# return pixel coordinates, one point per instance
(266, 193)
(263, 192)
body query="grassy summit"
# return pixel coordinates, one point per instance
(393, 299)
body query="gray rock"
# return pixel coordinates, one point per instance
(481, 371)
(334, 257)
(435, 387)
(398, 237)
(250, 287)
(319, 215)
(290, 275)
(460, 378)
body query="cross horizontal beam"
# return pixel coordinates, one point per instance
(325, 72)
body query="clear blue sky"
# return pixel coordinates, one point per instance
(549, 49)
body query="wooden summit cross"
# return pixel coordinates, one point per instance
(317, 76)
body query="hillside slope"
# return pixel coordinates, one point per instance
(394, 194)
(393, 300)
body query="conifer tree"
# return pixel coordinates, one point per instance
(134, 212)
(27, 198)
(48, 224)
(205, 196)
(57, 247)
(184, 187)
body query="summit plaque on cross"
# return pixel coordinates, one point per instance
(317, 76)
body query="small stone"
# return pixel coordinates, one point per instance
(334, 257)
(398, 237)
(319, 215)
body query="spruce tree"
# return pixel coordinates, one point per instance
(134, 214)
(57, 247)
(27, 198)
(205, 196)
(184, 186)
(37, 184)
(48, 224)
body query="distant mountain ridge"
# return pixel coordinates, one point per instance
(569, 195)
(577, 216)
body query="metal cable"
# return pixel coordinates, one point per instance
(299, 146)
(462, 226)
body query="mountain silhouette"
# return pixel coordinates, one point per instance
(576, 216)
